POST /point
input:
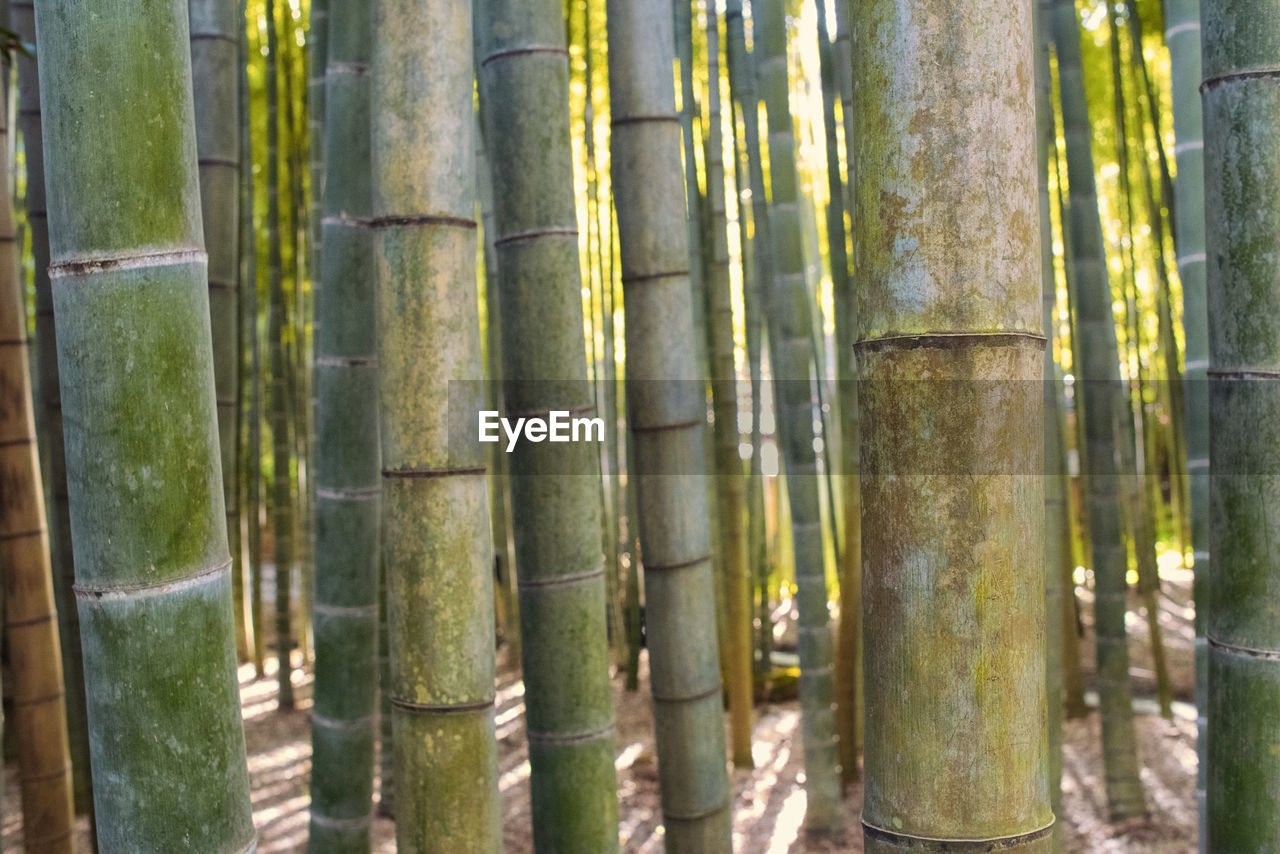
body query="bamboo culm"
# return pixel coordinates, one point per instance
(524, 103)
(666, 411)
(153, 571)
(1242, 183)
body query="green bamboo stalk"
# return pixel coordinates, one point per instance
(278, 397)
(730, 483)
(1182, 19)
(297, 346)
(666, 412)
(951, 356)
(438, 546)
(524, 86)
(790, 328)
(1102, 402)
(347, 480)
(49, 414)
(130, 288)
(759, 250)
(318, 60)
(835, 60)
(1057, 523)
(1241, 50)
(31, 627)
(249, 280)
(214, 49)
(1140, 504)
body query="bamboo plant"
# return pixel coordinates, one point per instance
(348, 484)
(214, 56)
(524, 104)
(31, 629)
(666, 411)
(438, 549)
(790, 327)
(1241, 50)
(730, 483)
(1182, 34)
(950, 354)
(49, 412)
(130, 293)
(1102, 401)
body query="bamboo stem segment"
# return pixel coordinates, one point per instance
(950, 358)
(130, 292)
(1241, 98)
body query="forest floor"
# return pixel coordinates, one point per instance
(769, 800)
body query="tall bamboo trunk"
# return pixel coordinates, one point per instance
(130, 289)
(31, 628)
(438, 547)
(1057, 523)
(347, 479)
(214, 54)
(253, 362)
(730, 482)
(282, 484)
(524, 86)
(951, 352)
(791, 350)
(848, 676)
(1182, 20)
(666, 410)
(742, 83)
(1102, 401)
(1241, 50)
(49, 414)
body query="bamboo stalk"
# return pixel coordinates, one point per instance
(666, 412)
(347, 480)
(31, 628)
(1241, 52)
(130, 288)
(438, 545)
(950, 355)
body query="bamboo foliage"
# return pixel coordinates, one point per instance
(666, 411)
(347, 454)
(791, 348)
(1102, 402)
(524, 102)
(131, 305)
(1242, 180)
(438, 549)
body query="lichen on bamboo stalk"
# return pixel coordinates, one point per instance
(131, 305)
(1241, 98)
(950, 358)
(438, 548)
(347, 480)
(524, 86)
(666, 411)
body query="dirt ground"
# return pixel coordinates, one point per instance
(769, 801)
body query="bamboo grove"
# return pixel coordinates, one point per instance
(904, 334)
